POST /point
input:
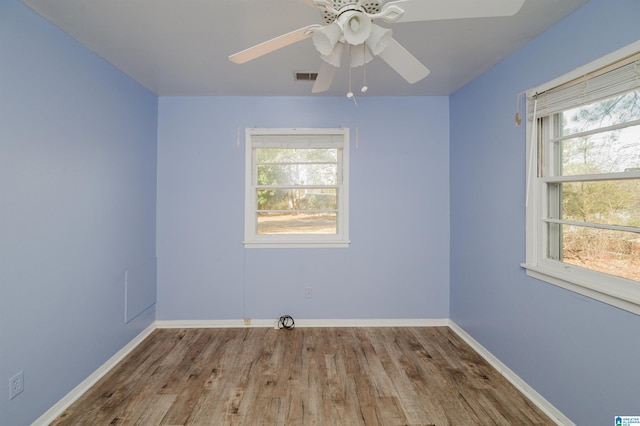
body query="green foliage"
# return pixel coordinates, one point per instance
(615, 202)
(290, 170)
(609, 202)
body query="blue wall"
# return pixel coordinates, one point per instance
(397, 265)
(77, 209)
(580, 354)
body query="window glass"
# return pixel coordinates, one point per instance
(583, 183)
(604, 250)
(588, 201)
(599, 149)
(615, 110)
(297, 187)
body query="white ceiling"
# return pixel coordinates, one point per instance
(180, 47)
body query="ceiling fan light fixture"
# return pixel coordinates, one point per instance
(379, 39)
(325, 38)
(356, 26)
(334, 57)
(360, 55)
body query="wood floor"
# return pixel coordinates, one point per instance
(304, 376)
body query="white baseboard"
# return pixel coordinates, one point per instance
(520, 384)
(515, 380)
(52, 413)
(239, 323)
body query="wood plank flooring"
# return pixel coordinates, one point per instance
(304, 376)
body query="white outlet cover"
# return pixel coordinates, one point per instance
(16, 385)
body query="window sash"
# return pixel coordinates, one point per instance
(543, 174)
(296, 139)
(592, 225)
(551, 176)
(627, 174)
(605, 129)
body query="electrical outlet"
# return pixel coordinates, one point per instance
(308, 292)
(16, 385)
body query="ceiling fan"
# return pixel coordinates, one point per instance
(350, 23)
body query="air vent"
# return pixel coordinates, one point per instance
(305, 76)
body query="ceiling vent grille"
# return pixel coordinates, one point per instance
(305, 76)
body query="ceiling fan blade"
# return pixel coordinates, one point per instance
(325, 78)
(430, 10)
(403, 62)
(273, 44)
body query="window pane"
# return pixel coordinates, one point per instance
(608, 152)
(319, 199)
(297, 199)
(616, 110)
(298, 174)
(607, 202)
(297, 223)
(305, 155)
(295, 182)
(612, 252)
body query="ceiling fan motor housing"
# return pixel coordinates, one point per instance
(352, 25)
(372, 6)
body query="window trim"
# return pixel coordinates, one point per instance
(338, 240)
(619, 292)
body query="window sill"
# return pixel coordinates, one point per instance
(627, 299)
(296, 244)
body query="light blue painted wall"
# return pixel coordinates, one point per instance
(78, 197)
(77, 208)
(397, 265)
(580, 354)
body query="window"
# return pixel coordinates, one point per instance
(583, 191)
(297, 188)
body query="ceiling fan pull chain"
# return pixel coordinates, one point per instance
(350, 94)
(364, 71)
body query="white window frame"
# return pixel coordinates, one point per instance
(291, 138)
(620, 292)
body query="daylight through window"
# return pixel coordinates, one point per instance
(296, 188)
(583, 217)
(592, 185)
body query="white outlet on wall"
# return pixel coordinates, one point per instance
(307, 292)
(16, 385)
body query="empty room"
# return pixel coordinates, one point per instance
(309, 212)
